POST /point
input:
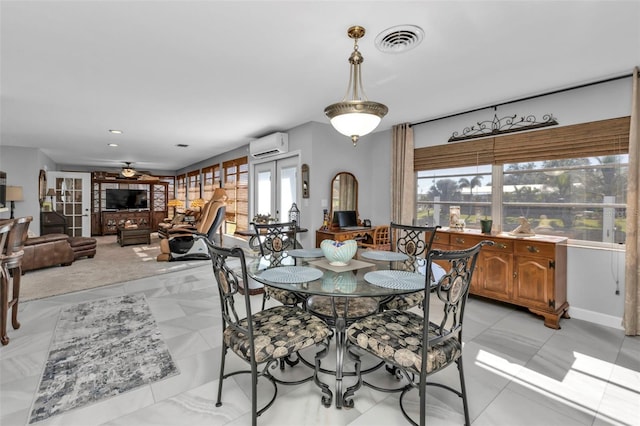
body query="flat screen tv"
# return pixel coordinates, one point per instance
(123, 199)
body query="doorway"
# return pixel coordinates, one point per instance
(73, 199)
(275, 186)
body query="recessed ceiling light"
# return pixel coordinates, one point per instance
(115, 132)
(399, 38)
(112, 144)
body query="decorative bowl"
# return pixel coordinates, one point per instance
(339, 253)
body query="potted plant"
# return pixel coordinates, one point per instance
(485, 225)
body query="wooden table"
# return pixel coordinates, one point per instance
(128, 236)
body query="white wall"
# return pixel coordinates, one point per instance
(591, 284)
(23, 166)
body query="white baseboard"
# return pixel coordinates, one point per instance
(596, 317)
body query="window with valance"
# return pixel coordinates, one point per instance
(567, 180)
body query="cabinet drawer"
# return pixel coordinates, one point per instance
(441, 239)
(535, 248)
(459, 241)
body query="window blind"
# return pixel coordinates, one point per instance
(457, 154)
(597, 138)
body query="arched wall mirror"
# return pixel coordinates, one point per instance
(344, 193)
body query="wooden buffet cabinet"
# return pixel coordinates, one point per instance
(529, 272)
(360, 235)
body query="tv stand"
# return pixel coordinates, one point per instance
(104, 221)
(113, 219)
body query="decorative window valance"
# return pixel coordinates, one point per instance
(597, 138)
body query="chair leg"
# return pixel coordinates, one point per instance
(423, 402)
(4, 288)
(16, 273)
(221, 378)
(463, 391)
(254, 394)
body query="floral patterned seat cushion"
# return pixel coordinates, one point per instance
(404, 301)
(278, 332)
(358, 306)
(396, 337)
(283, 296)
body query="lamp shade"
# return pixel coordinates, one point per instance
(355, 123)
(14, 193)
(175, 203)
(51, 192)
(198, 202)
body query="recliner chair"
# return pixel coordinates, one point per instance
(184, 245)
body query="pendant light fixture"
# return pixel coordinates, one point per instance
(355, 116)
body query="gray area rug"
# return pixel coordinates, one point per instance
(101, 349)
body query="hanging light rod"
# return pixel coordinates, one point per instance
(355, 116)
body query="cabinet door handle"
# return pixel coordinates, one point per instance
(501, 245)
(533, 249)
(515, 275)
(460, 240)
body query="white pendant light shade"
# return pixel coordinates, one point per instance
(355, 123)
(355, 116)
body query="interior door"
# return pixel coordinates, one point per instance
(275, 187)
(73, 199)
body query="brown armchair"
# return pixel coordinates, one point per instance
(188, 220)
(179, 238)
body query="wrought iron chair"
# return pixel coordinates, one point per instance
(420, 345)
(262, 338)
(275, 239)
(11, 259)
(415, 242)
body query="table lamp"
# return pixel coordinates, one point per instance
(175, 203)
(197, 203)
(51, 192)
(14, 193)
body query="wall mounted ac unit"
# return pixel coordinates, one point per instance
(275, 143)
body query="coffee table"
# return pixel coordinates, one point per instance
(128, 236)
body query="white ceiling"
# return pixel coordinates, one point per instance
(216, 74)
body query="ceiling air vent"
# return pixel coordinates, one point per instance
(399, 38)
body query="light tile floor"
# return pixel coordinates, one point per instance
(518, 371)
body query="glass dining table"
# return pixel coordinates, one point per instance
(373, 276)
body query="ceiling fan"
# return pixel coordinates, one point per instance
(128, 171)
